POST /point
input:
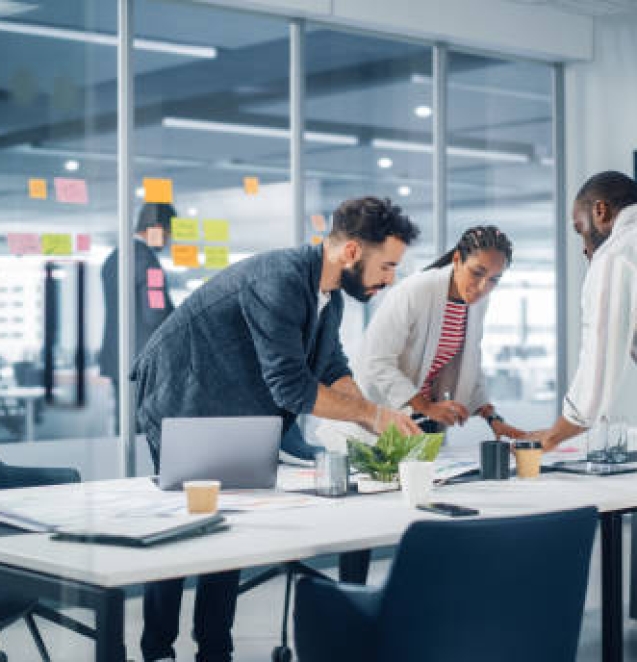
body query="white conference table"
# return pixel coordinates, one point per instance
(94, 576)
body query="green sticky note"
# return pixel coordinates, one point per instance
(57, 244)
(217, 257)
(216, 230)
(184, 229)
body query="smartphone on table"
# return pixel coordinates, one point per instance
(449, 509)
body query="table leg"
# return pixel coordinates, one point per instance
(612, 598)
(109, 626)
(632, 607)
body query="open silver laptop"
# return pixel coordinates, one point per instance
(241, 452)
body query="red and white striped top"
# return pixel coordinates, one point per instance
(454, 325)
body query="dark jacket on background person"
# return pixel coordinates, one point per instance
(147, 319)
(247, 343)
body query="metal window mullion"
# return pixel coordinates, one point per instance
(560, 253)
(126, 262)
(440, 60)
(297, 125)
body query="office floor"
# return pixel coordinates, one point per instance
(257, 626)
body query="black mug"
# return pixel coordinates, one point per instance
(494, 459)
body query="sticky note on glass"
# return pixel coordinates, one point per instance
(83, 243)
(184, 229)
(156, 299)
(158, 190)
(316, 240)
(37, 189)
(216, 230)
(57, 244)
(217, 257)
(24, 243)
(155, 278)
(185, 256)
(73, 191)
(318, 222)
(155, 237)
(251, 185)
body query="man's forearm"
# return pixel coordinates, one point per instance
(347, 386)
(562, 429)
(334, 403)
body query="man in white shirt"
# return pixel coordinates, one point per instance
(605, 216)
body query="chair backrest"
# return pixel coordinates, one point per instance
(492, 590)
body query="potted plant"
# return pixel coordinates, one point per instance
(379, 463)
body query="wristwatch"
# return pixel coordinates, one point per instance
(493, 417)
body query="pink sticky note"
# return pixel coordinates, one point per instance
(73, 191)
(155, 278)
(156, 299)
(24, 243)
(83, 242)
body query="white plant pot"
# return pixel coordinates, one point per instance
(367, 485)
(416, 481)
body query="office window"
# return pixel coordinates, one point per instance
(368, 132)
(58, 169)
(500, 171)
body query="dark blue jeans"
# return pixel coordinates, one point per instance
(215, 605)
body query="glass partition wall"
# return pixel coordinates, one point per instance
(212, 136)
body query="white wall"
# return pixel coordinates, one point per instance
(533, 30)
(601, 134)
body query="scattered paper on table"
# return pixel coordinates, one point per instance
(24, 243)
(158, 190)
(57, 244)
(216, 230)
(184, 229)
(155, 278)
(72, 191)
(37, 189)
(185, 256)
(217, 257)
(156, 299)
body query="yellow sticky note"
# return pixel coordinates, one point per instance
(37, 189)
(316, 240)
(57, 244)
(251, 185)
(158, 190)
(185, 256)
(217, 257)
(216, 230)
(184, 229)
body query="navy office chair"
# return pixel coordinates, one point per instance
(489, 590)
(14, 607)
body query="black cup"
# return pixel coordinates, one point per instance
(494, 460)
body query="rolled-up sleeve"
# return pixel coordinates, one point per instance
(274, 311)
(609, 320)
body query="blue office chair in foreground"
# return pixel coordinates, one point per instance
(485, 590)
(14, 607)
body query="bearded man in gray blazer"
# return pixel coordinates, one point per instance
(262, 339)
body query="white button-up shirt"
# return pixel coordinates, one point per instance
(609, 325)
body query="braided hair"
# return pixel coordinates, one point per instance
(478, 238)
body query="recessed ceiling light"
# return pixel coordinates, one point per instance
(385, 162)
(192, 211)
(404, 190)
(422, 111)
(139, 191)
(72, 165)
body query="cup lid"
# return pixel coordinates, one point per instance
(527, 445)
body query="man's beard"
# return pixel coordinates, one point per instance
(352, 283)
(596, 237)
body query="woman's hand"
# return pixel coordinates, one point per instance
(502, 429)
(448, 412)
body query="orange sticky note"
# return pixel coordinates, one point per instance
(155, 237)
(251, 185)
(316, 240)
(155, 278)
(318, 222)
(37, 189)
(83, 243)
(158, 190)
(185, 256)
(156, 299)
(24, 244)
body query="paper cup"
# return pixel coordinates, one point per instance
(416, 481)
(528, 458)
(202, 495)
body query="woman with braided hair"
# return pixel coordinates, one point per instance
(422, 346)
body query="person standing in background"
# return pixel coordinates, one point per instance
(153, 218)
